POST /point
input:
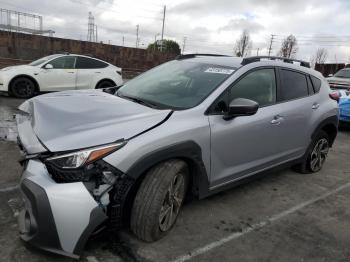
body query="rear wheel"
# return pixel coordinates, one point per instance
(159, 200)
(316, 154)
(22, 87)
(104, 84)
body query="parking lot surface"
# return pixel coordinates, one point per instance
(282, 216)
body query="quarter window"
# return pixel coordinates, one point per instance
(88, 63)
(64, 62)
(316, 83)
(259, 86)
(293, 86)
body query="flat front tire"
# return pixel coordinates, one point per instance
(159, 200)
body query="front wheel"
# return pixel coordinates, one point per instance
(22, 87)
(159, 200)
(316, 155)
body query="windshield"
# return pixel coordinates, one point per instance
(343, 73)
(178, 84)
(42, 60)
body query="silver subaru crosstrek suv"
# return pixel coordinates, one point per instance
(195, 125)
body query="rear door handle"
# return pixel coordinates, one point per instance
(315, 106)
(70, 72)
(276, 120)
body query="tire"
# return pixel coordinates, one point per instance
(22, 87)
(316, 154)
(104, 84)
(157, 205)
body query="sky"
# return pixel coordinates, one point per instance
(208, 26)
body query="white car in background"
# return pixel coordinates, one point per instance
(57, 73)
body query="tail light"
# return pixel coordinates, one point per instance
(335, 95)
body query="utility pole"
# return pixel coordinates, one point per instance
(184, 44)
(137, 36)
(257, 52)
(161, 46)
(123, 40)
(271, 41)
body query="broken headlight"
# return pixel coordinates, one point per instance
(80, 158)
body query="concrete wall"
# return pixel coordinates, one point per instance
(28, 47)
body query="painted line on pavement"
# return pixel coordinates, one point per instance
(222, 241)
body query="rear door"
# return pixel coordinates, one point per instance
(89, 72)
(61, 77)
(297, 105)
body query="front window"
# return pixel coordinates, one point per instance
(345, 73)
(178, 84)
(259, 86)
(64, 62)
(42, 60)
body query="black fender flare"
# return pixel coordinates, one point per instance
(329, 124)
(189, 151)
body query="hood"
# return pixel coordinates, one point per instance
(78, 119)
(17, 67)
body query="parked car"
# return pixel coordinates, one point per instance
(344, 106)
(196, 125)
(340, 80)
(57, 73)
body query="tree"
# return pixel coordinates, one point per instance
(320, 56)
(243, 44)
(289, 47)
(168, 46)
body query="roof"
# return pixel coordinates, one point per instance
(236, 62)
(219, 60)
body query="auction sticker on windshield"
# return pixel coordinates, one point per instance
(217, 70)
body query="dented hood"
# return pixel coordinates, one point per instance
(79, 119)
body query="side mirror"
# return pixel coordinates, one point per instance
(48, 66)
(241, 107)
(330, 75)
(111, 90)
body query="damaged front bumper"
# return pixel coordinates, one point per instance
(57, 217)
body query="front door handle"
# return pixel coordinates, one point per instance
(315, 106)
(276, 120)
(70, 72)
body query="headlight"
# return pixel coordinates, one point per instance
(79, 158)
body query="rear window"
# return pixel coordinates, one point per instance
(294, 85)
(89, 63)
(316, 83)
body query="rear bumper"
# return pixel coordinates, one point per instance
(56, 217)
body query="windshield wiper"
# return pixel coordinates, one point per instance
(138, 100)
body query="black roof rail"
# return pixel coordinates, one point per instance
(248, 60)
(194, 55)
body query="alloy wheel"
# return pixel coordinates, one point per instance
(172, 203)
(319, 154)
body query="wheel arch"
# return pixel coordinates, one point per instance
(105, 79)
(37, 87)
(330, 126)
(189, 151)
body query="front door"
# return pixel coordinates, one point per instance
(246, 144)
(61, 77)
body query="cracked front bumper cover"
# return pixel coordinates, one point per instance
(57, 217)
